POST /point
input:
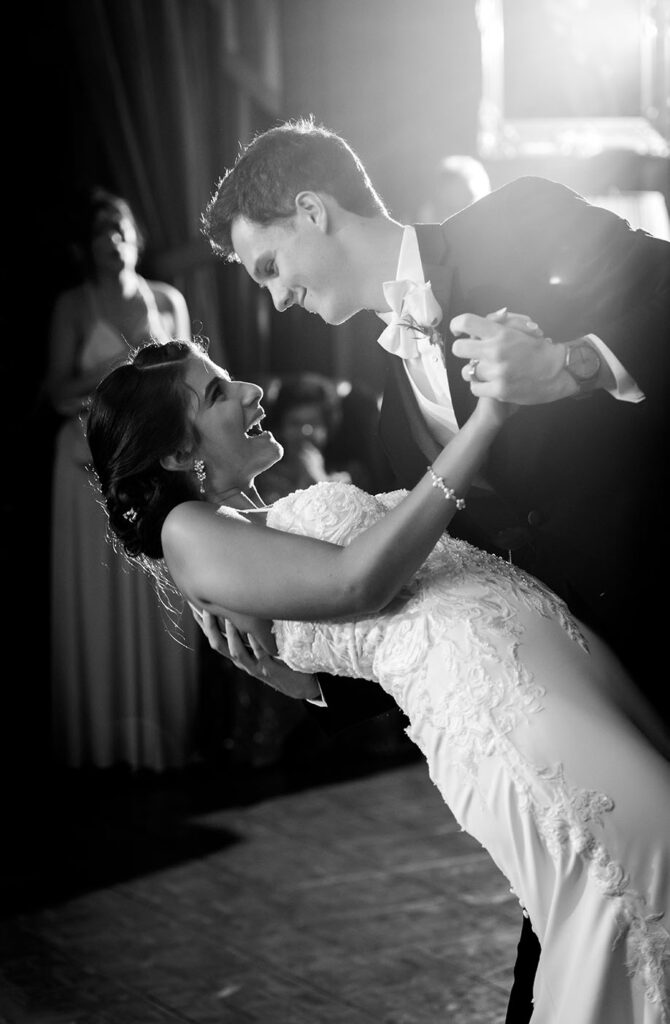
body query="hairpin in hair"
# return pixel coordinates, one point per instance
(130, 515)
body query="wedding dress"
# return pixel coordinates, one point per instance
(517, 708)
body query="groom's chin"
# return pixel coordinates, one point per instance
(336, 317)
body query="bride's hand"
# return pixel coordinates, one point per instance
(508, 357)
(491, 412)
(519, 321)
(494, 410)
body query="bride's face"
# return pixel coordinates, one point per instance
(226, 415)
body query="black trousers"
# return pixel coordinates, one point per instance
(520, 1005)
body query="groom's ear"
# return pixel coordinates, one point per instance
(178, 462)
(311, 206)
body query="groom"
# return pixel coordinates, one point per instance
(571, 491)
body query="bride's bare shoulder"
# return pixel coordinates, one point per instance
(195, 538)
(191, 522)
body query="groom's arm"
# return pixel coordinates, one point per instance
(587, 277)
(347, 702)
(337, 702)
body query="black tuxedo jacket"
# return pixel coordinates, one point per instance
(578, 484)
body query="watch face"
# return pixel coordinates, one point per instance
(583, 362)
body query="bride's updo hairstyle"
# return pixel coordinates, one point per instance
(138, 415)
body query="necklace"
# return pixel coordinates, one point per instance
(249, 500)
(221, 498)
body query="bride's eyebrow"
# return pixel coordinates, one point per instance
(212, 384)
(221, 375)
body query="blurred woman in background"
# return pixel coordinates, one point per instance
(123, 692)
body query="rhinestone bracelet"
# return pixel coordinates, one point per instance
(449, 493)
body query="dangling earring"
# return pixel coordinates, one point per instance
(201, 473)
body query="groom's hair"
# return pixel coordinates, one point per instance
(277, 165)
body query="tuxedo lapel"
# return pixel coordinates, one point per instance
(440, 269)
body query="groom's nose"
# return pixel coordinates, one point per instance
(281, 296)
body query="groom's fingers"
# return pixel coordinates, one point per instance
(239, 652)
(210, 626)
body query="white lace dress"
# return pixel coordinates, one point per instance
(516, 708)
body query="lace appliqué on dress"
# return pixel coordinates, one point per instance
(567, 822)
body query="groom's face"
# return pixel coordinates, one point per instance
(300, 264)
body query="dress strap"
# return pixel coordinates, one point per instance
(154, 319)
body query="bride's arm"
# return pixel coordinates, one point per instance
(222, 563)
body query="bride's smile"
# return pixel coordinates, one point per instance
(226, 417)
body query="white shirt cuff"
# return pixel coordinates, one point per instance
(318, 702)
(626, 390)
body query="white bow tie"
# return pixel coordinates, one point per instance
(414, 317)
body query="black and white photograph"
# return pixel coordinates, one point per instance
(336, 685)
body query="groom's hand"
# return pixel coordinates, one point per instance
(273, 671)
(226, 635)
(510, 359)
(255, 653)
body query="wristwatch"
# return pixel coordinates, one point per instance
(582, 362)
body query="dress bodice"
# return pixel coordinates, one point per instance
(335, 512)
(456, 584)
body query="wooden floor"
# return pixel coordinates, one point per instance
(350, 899)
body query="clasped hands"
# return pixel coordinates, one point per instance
(509, 358)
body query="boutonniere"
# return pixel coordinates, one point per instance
(418, 330)
(421, 313)
(416, 315)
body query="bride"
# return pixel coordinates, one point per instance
(531, 729)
